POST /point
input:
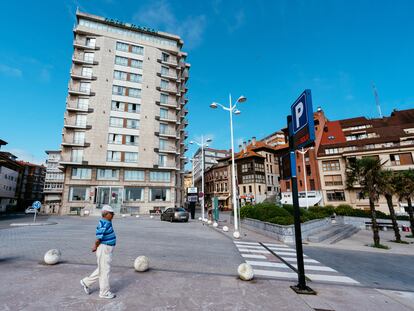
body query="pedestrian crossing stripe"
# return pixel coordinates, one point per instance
(247, 243)
(278, 274)
(253, 256)
(259, 251)
(305, 260)
(267, 264)
(331, 278)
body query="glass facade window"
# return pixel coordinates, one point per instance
(137, 50)
(331, 165)
(160, 194)
(133, 77)
(107, 174)
(85, 87)
(131, 175)
(123, 61)
(131, 140)
(81, 173)
(78, 193)
(87, 72)
(118, 90)
(78, 137)
(164, 70)
(113, 156)
(335, 195)
(160, 176)
(77, 155)
(120, 46)
(114, 138)
(88, 57)
(116, 122)
(132, 124)
(163, 98)
(134, 194)
(120, 75)
(131, 157)
(162, 160)
(117, 106)
(91, 42)
(135, 63)
(134, 108)
(134, 93)
(164, 84)
(164, 113)
(83, 103)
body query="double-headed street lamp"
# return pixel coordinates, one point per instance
(232, 108)
(202, 144)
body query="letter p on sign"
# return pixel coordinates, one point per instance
(298, 114)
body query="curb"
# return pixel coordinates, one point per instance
(28, 224)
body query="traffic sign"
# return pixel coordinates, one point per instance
(302, 129)
(192, 190)
(201, 194)
(36, 205)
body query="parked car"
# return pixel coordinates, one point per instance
(175, 214)
(30, 210)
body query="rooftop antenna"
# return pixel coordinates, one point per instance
(377, 99)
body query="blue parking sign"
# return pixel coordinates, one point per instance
(302, 128)
(37, 205)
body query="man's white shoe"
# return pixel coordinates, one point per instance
(108, 295)
(85, 288)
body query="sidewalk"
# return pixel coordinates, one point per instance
(332, 297)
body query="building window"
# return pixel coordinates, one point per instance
(312, 184)
(120, 46)
(250, 189)
(401, 159)
(331, 151)
(131, 140)
(134, 194)
(130, 175)
(164, 84)
(137, 49)
(244, 189)
(91, 42)
(287, 185)
(132, 124)
(133, 77)
(83, 103)
(162, 160)
(160, 176)
(160, 194)
(80, 120)
(118, 90)
(308, 170)
(163, 144)
(123, 61)
(164, 113)
(85, 87)
(78, 137)
(77, 155)
(164, 70)
(114, 139)
(134, 93)
(107, 174)
(259, 167)
(134, 108)
(163, 98)
(131, 157)
(335, 195)
(165, 57)
(117, 106)
(116, 122)
(86, 72)
(113, 156)
(135, 63)
(120, 75)
(333, 180)
(81, 173)
(88, 57)
(78, 193)
(163, 128)
(333, 165)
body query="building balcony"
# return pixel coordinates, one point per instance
(168, 76)
(81, 44)
(77, 75)
(79, 59)
(168, 104)
(169, 90)
(168, 63)
(77, 126)
(73, 108)
(73, 162)
(49, 191)
(67, 143)
(170, 150)
(168, 134)
(166, 166)
(171, 119)
(78, 91)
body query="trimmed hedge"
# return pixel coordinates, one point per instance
(284, 215)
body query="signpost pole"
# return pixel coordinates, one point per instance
(300, 131)
(34, 217)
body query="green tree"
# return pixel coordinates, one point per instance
(364, 175)
(386, 187)
(405, 189)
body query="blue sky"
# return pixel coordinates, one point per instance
(269, 51)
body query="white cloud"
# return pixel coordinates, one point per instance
(23, 155)
(10, 71)
(159, 15)
(238, 21)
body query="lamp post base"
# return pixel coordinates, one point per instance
(306, 290)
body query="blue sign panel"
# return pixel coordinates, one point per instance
(302, 129)
(37, 205)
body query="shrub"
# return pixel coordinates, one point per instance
(263, 211)
(282, 220)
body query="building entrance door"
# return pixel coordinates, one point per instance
(111, 196)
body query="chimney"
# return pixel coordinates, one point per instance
(240, 147)
(254, 140)
(249, 142)
(244, 147)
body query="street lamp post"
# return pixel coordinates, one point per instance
(202, 144)
(303, 152)
(233, 109)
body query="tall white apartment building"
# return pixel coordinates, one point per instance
(124, 129)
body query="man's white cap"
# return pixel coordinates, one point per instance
(107, 208)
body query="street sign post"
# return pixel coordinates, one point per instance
(301, 134)
(36, 205)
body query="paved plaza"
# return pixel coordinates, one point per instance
(193, 267)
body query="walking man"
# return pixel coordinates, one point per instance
(104, 245)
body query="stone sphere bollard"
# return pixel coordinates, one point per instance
(137, 216)
(236, 234)
(151, 216)
(141, 264)
(199, 218)
(52, 256)
(123, 215)
(225, 228)
(209, 222)
(215, 225)
(245, 272)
